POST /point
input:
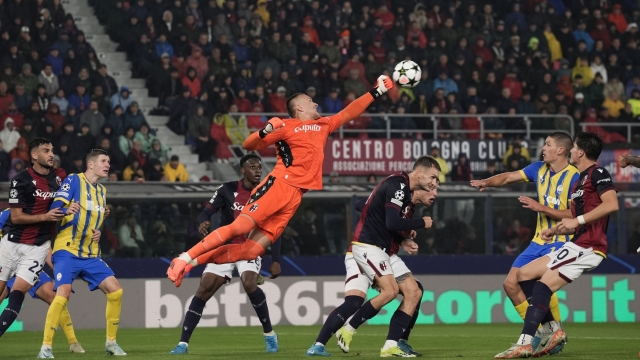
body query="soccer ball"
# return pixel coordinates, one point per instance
(407, 74)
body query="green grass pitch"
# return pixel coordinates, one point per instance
(586, 341)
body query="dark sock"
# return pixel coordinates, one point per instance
(538, 308)
(338, 317)
(527, 288)
(399, 324)
(12, 310)
(366, 312)
(414, 318)
(259, 302)
(192, 318)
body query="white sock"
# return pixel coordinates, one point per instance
(319, 344)
(555, 326)
(183, 343)
(45, 347)
(524, 339)
(270, 333)
(350, 328)
(110, 342)
(389, 344)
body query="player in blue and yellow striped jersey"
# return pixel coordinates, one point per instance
(76, 253)
(554, 178)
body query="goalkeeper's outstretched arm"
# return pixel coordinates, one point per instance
(358, 106)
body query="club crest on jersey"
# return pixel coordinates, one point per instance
(584, 180)
(383, 266)
(559, 189)
(253, 207)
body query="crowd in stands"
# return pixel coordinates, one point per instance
(574, 57)
(52, 85)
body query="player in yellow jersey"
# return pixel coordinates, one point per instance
(554, 178)
(76, 253)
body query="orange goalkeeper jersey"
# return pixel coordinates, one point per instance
(300, 145)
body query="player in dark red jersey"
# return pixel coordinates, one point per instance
(593, 200)
(356, 286)
(28, 232)
(382, 217)
(230, 199)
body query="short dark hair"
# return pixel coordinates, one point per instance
(591, 143)
(563, 140)
(290, 109)
(35, 143)
(94, 153)
(248, 157)
(426, 161)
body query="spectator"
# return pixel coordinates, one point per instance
(126, 140)
(145, 137)
(5, 163)
(199, 128)
(175, 171)
(634, 101)
(17, 165)
(134, 117)
(55, 60)
(444, 167)
(133, 172)
(614, 85)
(462, 169)
(28, 133)
(49, 80)
(93, 118)
(5, 97)
(55, 117)
(22, 100)
(13, 113)
(122, 98)
(137, 154)
(9, 135)
(517, 156)
(131, 238)
(29, 80)
(613, 104)
(104, 80)
(191, 81)
(158, 152)
(80, 100)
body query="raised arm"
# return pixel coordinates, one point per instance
(265, 137)
(359, 105)
(626, 160)
(499, 180)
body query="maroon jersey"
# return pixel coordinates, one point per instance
(33, 193)
(229, 199)
(585, 197)
(407, 213)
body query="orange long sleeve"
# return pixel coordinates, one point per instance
(254, 142)
(355, 109)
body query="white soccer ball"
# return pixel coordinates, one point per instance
(407, 74)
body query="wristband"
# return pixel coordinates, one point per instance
(262, 133)
(581, 220)
(375, 93)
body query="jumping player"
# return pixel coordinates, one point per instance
(76, 253)
(357, 284)
(554, 178)
(300, 146)
(381, 218)
(229, 199)
(594, 199)
(29, 229)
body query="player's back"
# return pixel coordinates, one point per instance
(372, 227)
(301, 151)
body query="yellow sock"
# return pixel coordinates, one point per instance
(522, 309)
(67, 326)
(114, 305)
(554, 306)
(53, 319)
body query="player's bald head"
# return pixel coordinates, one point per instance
(291, 104)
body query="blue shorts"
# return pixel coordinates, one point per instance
(67, 267)
(42, 279)
(535, 251)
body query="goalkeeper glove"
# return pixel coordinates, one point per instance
(384, 83)
(273, 125)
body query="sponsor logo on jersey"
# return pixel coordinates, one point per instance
(603, 180)
(584, 180)
(552, 200)
(237, 206)
(44, 194)
(577, 194)
(253, 207)
(305, 128)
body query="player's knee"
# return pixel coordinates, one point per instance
(510, 284)
(249, 287)
(420, 287)
(354, 302)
